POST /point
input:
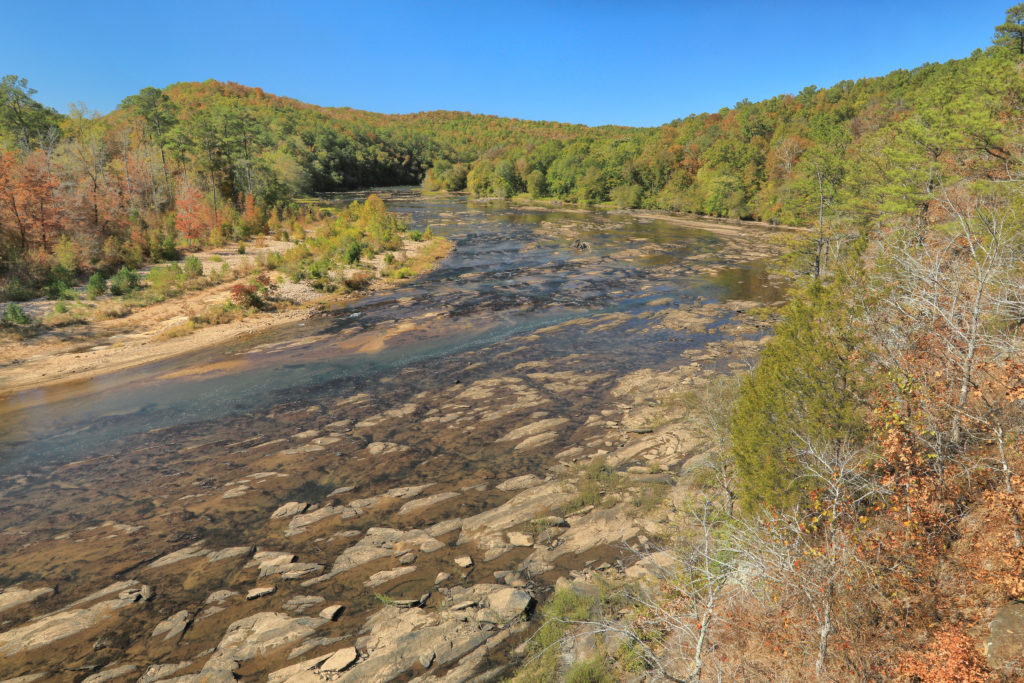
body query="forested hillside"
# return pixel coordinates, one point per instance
(855, 511)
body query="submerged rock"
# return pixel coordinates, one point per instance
(13, 596)
(56, 626)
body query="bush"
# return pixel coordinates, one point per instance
(193, 268)
(62, 279)
(164, 280)
(16, 291)
(124, 281)
(246, 296)
(353, 253)
(416, 236)
(97, 285)
(241, 248)
(60, 307)
(590, 671)
(357, 281)
(14, 315)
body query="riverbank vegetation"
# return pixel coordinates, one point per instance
(857, 511)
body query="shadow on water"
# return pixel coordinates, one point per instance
(514, 272)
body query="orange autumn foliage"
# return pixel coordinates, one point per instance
(951, 657)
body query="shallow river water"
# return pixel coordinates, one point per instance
(492, 366)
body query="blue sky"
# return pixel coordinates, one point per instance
(595, 62)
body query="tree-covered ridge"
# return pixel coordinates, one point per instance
(781, 158)
(836, 158)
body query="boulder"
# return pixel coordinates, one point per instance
(340, 660)
(289, 510)
(173, 626)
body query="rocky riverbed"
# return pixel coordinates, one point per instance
(384, 522)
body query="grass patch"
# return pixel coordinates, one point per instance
(598, 485)
(561, 609)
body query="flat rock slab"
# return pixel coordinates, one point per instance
(534, 428)
(388, 575)
(340, 660)
(50, 628)
(606, 526)
(14, 596)
(527, 481)
(289, 510)
(256, 635)
(519, 509)
(173, 626)
(260, 592)
(423, 503)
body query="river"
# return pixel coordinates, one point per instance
(504, 361)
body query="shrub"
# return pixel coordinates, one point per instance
(164, 280)
(402, 273)
(62, 279)
(14, 315)
(124, 281)
(60, 307)
(97, 285)
(245, 296)
(590, 671)
(353, 253)
(416, 236)
(193, 268)
(358, 280)
(16, 291)
(241, 248)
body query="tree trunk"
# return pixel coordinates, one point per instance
(823, 633)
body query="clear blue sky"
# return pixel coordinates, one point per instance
(593, 62)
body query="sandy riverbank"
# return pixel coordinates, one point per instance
(146, 334)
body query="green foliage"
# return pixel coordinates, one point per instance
(596, 482)
(16, 291)
(193, 268)
(627, 196)
(415, 235)
(65, 256)
(62, 280)
(24, 123)
(802, 395)
(166, 280)
(536, 184)
(124, 281)
(561, 609)
(1010, 34)
(353, 252)
(97, 285)
(590, 671)
(14, 315)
